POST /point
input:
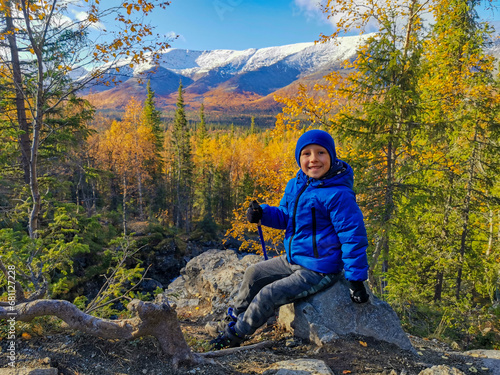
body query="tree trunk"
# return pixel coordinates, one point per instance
(139, 174)
(77, 192)
(35, 145)
(375, 257)
(438, 288)
(24, 137)
(93, 209)
(498, 230)
(38, 113)
(158, 320)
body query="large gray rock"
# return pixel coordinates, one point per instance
(212, 277)
(329, 315)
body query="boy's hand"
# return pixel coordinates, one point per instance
(254, 212)
(358, 292)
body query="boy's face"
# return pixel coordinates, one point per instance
(314, 161)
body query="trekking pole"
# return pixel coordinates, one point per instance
(261, 236)
(255, 207)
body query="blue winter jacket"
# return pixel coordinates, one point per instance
(324, 226)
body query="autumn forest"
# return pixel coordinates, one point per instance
(416, 114)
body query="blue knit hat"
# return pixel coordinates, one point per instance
(318, 137)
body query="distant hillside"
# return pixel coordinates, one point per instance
(229, 82)
(226, 81)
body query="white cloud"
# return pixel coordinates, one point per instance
(173, 35)
(175, 40)
(314, 10)
(311, 8)
(82, 16)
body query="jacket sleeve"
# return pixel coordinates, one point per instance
(347, 220)
(275, 217)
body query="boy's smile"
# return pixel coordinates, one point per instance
(314, 161)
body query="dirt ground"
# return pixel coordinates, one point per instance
(74, 353)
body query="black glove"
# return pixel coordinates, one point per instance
(358, 292)
(254, 212)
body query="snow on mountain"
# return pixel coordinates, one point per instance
(310, 56)
(250, 73)
(229, 80)
(210, 60)
(216, 66)
(305, 57)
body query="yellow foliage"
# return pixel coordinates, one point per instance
(270, 165)
(125, 147)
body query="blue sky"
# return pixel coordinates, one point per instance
(239, 24)
(242, 24)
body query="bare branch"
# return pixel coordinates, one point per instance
(120, 297)
(229, 351)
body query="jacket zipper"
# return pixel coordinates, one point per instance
(294, 214)
(315, 245)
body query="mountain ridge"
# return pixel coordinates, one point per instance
(226, 81)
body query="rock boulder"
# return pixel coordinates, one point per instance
(212, 277)
(330, 314)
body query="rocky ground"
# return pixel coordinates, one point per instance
(210, 280)
(75, 353)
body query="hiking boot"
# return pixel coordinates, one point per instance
(228, 339)
(214, 329)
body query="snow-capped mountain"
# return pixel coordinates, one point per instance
(222, 78)
(229, 81)
(304, 56)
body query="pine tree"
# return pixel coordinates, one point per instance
(462, 126)
(155, 166)
(183, 170)
(205, 170)
(152, 118)
(252, 125)
(202, 129)
(380, 127)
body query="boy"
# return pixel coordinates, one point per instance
(325, 234)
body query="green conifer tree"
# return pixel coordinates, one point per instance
(202, 129)
(152, 119)
(463, 126)
(381, 128)
(252, 125)
(183, 170)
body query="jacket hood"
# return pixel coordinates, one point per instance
(343, 177)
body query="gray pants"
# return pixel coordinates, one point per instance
(273, 283)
